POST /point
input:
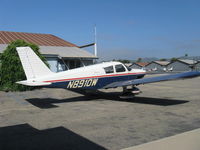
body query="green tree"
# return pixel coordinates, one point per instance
(163, 59)
(173, 59)
(124, 61)
(11, 69)
(139, 60)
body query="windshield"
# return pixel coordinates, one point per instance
(127, 67)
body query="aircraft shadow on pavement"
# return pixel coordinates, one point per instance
(25, 137)
(143, 100)
(45, 103)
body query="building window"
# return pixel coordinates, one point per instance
(61, 66)
(109, 69)
(120, 68)
(87, 62)
(73, 63)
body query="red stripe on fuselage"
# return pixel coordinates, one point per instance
(112, 75)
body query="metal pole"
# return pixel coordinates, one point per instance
(95, 41)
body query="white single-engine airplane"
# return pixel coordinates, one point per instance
(93, 77)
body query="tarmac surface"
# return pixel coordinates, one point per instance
(49, 119)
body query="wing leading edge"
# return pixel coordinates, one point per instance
(191, 74)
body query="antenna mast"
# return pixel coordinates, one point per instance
(95, 40)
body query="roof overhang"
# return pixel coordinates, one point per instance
(61, 51)
(66, 52)
(3, 47)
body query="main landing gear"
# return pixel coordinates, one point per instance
(129, 92)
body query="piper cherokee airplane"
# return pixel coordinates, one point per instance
(98, 76)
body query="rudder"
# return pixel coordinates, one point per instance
(33, 66)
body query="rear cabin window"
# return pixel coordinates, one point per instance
(109, 69)
(120, 68)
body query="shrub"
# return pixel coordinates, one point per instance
(11, 69)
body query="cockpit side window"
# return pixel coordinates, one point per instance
(120, 68)
(109, 69)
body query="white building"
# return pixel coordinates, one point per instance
(60, 54)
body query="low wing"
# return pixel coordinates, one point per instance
(154, 79)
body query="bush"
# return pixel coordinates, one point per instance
(11, 69)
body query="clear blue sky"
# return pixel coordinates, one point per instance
(126, 29)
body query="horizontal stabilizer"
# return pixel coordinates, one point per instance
(155, 79)
(32, 83)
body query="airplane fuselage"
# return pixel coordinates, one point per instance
(93, 77)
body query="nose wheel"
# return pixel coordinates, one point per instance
(129, 93)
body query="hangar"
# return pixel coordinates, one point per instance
(181, 65)
(139, 65)
(197, 66)
(60, 54)
(157, 66)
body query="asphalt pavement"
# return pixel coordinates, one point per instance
(62, 119)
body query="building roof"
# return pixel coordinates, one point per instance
(142, 64)
(7, 37)
(61, 51)
(3, 47)
(163, 63)
(188, 61)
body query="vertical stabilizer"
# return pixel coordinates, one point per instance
(33, 66)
